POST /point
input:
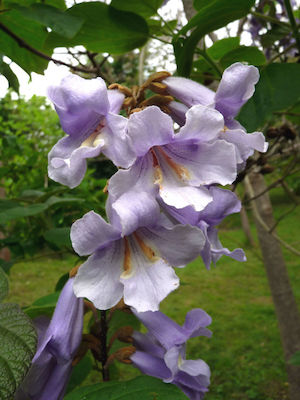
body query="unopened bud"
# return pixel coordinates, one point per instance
(123, 89)
(158, 87)
(267, 169)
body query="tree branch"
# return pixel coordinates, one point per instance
(38, 53)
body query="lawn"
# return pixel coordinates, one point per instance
(244, 352)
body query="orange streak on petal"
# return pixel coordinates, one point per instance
(127, 259)
(180, 170)
(149, 253)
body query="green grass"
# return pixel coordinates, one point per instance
(244, 352)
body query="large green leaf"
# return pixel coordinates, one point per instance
(43, 306)
(277, 90)
(22, 211)
(60, 237)
(212, 15)
(18, 344)
(11, 77)
(3, 285)
(223, 46)
(140, 388)
(250, 54)
(105, 29)
(31, 32)
(60, 22)
(145, 8)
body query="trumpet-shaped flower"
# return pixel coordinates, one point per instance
(224, 203)
(175, 166)
(161, 351)
(236, 87)
(58, 342)
(136, 265)
(88, 113)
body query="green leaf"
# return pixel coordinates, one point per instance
(105, 29)
(295, 359)
(142, 387)
(3, 285)
(214, 15)
(80, 372)
(60, 22)
(27, 31)
(43, 306)
(145, 8)
(60, 237)
(223, 46)
(53, 200)
(20, 212)
(6, 265)
(18, 343)
(11, 77)
(277, 90)
(250, 54)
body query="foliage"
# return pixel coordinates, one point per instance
(36, 214)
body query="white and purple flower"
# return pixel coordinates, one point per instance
(235, 89)
(58, 341)
(135, 263)
(161, 352)
(88, 113)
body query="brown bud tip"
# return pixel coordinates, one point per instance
(123, 89)
(159, 76)
(124, 334)
(288, 132)
(158, 87)
(73, 271)
(129, 102)
(123, 355)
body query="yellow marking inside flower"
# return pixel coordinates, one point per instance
(225, 129)
(158, 176)
(94, 139)
(180, 170)
(149, 253)
(127, 260)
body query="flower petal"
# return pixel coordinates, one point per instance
(67, 160)
(177, 112)
(150, 365)
(206, 163)
(203, 124)
(195, 323)
(245, 143)
(150, 127)
(98, 279)
(147, 343)
(148, 283)
(189, 92)
(166, 331)
(115, 99)
(116, 142)
(195, 368)
(178, 245)
(80, 103)
(92, 232)
(132, 196)
(224, 203)
(236, 87)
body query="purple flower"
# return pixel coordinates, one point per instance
(131, 258)
(235, 89)
(175, 166)
(161, 351)
(88, 114)
(224, 203)
(58, 342)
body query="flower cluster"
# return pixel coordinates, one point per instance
(164, 201)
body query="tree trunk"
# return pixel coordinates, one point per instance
(283, 298)
(246, 226)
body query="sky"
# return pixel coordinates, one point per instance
(37, 84)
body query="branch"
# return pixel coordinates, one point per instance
(38, 53)
(262, 222)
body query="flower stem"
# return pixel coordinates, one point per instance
(210, 61)
(103, 339)
(268, 18)
(292, 22)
